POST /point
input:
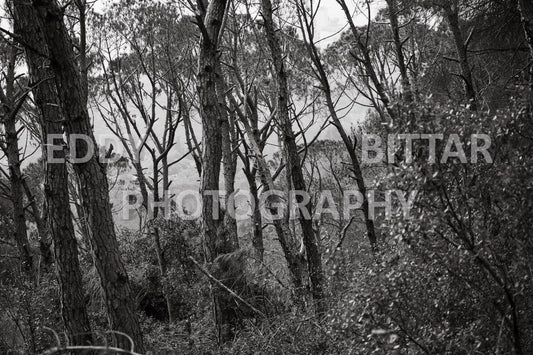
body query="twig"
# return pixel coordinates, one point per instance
(343, 236)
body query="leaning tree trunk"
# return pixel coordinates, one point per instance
(348, 143)
(73, 309)
(294, 168)
(289, 245)
(366, 62)
(92, 176)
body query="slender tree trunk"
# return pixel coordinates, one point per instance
(17, 196)
(525, 7)
(142, 183)
(257, 220)
(314, 260)
(451, 11)
(45, 242)
(307, 26)
(11, 149)
(356, 169)
(92, 176)
(229, 160)
(366, 61)
(295, 260)
(190, 138)
(398, 45)
(154, 231)
(73, 308)
(82, 56)
(252, 175)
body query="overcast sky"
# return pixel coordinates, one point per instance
(331, 18)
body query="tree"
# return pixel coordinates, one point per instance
(131, 109)
(12, 101)
(307, 27)
(362, 55)
(73, 307)
(526, 12)
(294, 168)
(393, 12)
(94, 185)
(451, 10)
(216, 240)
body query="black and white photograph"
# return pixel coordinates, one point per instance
(242, 177)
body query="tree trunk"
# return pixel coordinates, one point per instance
(227, 128)
(92, 176)
(366, 61)
(216, 239)
(451, 11)
(295, 261)
(525, 7)
(154, 232)
(294, 169)
(393, 17)
(350, 146)
(17, 196)
(11, 149)
(73, 309)
(45, 242)
(257, 220)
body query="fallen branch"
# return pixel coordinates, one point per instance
(230, 291)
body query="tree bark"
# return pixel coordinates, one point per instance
(154, 231)
(451, 10)
(229, 159)
(216, 239)
(251, 176)
(294, 168)
(11, 149)
(17, 196)
(525, 7)
(73, 308)
(92, 176)
(257, 220)
(398, 45)
(45, 242)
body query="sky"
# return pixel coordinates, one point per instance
(331, 18)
